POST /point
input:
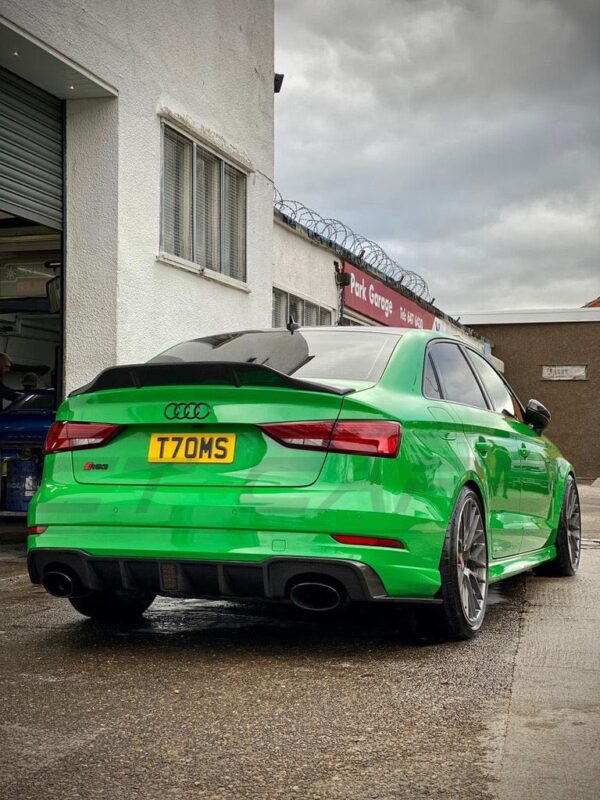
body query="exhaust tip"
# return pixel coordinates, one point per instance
(58, 584)
(316, 596)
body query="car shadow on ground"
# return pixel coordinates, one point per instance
(257, 628)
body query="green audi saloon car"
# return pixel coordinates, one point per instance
(317, 466)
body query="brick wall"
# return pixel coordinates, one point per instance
(575, 405)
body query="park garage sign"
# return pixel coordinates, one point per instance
(372, 298)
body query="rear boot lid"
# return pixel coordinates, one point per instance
(199, 435)
(206, 399)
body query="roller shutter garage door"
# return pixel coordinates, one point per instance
(31, 151)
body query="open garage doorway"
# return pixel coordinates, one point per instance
(31, 259)
(31, 346)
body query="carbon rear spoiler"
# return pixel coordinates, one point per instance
(200, 373)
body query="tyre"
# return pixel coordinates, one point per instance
(568, 536)
(464, 573)
(113, 606)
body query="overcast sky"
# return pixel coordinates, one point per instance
(462, 135)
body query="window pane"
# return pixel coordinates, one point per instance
(311, 314)
(233, 256)
(279, 309)
(177, 195)
(495, 386)
(208, 210)
(296, 309)
(431, 387)
(457, 378)
(324, 316)
(34, 402)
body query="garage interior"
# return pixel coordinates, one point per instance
(31, 275)
(30, 335)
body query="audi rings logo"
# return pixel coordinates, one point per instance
(187, 411)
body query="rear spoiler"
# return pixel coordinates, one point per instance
(200, 373)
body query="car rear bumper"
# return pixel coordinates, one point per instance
(240, 563)
(268, 579)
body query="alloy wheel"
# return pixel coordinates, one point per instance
(573, 518)
(472, 562)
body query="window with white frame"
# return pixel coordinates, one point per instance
(304, 312)
(203, 207)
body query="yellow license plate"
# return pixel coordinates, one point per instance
(192, 448)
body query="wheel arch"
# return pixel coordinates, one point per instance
(472, 483)
(564, 471)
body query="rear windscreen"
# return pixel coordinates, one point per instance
(306, 354)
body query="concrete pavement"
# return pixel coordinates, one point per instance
(253, 702)
(551, 744)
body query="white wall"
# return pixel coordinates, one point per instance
(304, 268)
(92, 225)
(210, 65)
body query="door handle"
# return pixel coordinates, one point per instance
(482, 446)
(523, 451)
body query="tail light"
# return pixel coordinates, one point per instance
(33, 530)
(355, 437)
(368, 541)
(64, 436)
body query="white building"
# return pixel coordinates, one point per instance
(303, 277)
(136, 170)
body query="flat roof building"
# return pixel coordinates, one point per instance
(553, 355)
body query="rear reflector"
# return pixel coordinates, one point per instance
(36, 529)
(355, 437)
(368, 541)
(64, 436)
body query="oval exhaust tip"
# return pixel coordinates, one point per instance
(58, 584)
(315, 596)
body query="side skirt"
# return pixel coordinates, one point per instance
(506, 567)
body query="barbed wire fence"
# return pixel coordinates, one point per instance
(364, 250)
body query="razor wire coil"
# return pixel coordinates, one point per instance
(338, 234)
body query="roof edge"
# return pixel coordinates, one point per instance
(530, 316)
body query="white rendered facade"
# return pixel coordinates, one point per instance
(304, 269)
(124, 70)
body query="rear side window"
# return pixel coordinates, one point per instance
(497, 390)
(431, 387)
(458, 381)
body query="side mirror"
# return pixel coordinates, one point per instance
(537, 415)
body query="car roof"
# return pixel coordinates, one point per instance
(356, 329)
(380, 329)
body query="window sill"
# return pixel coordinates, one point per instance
(201, 272)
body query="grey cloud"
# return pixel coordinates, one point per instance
(460, 135)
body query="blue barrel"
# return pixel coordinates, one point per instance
(22, 482)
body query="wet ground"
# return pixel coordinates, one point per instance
(223, 700)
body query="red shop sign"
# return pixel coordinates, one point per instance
(379, 302)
